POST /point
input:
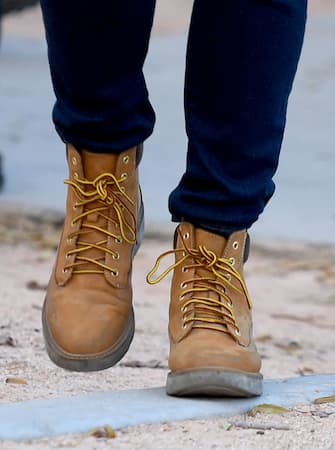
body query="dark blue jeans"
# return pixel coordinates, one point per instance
(241, 61)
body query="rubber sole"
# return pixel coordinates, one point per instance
(214, 383)
(100, 361)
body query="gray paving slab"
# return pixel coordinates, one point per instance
(42, 418)
(303, 207)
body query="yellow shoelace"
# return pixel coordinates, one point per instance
(197, 308)
(105, 190)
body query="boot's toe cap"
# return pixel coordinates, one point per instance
(219, 351)
(84, 326)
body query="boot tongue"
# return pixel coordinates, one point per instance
(210, 241)
(94, 164)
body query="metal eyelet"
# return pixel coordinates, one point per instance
(69, 240)
(118, 240)
(186, 235)
(114, 273)
(184, 269)
(181, 298)
(126, 159)
(67, 256)
(75, 206)
(72, 224)
(75, 175)
(74, 160)
(237, 332)
(116, 255)
(65, 271)
(235, 245)
(183, 309)
(124, 175)
(232, 261)
(184, 325)
(230, 304)
(183, 285)
(228, 276)
(122, 189)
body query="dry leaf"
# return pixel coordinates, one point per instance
(267, 409)
(311, 320)
(321, 400)
(327, 275)
(305, 371)
(17, 365)
(259, 425)
(152, 364)
(264, 338)
(226, 426)
(35, 286)
(321, 414)
(38, 307)
(103, 432)
(291, 347)
(8, 340)
(13, 380)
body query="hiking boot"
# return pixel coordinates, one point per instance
(211, 345)
(88, 319)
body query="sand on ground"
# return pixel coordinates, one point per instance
(293, 289)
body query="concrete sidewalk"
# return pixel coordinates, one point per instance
(302, 208)
(79, 414)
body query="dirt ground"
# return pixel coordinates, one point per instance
(293, 289)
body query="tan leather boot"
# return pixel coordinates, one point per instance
(211, 345)
(88, 319)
